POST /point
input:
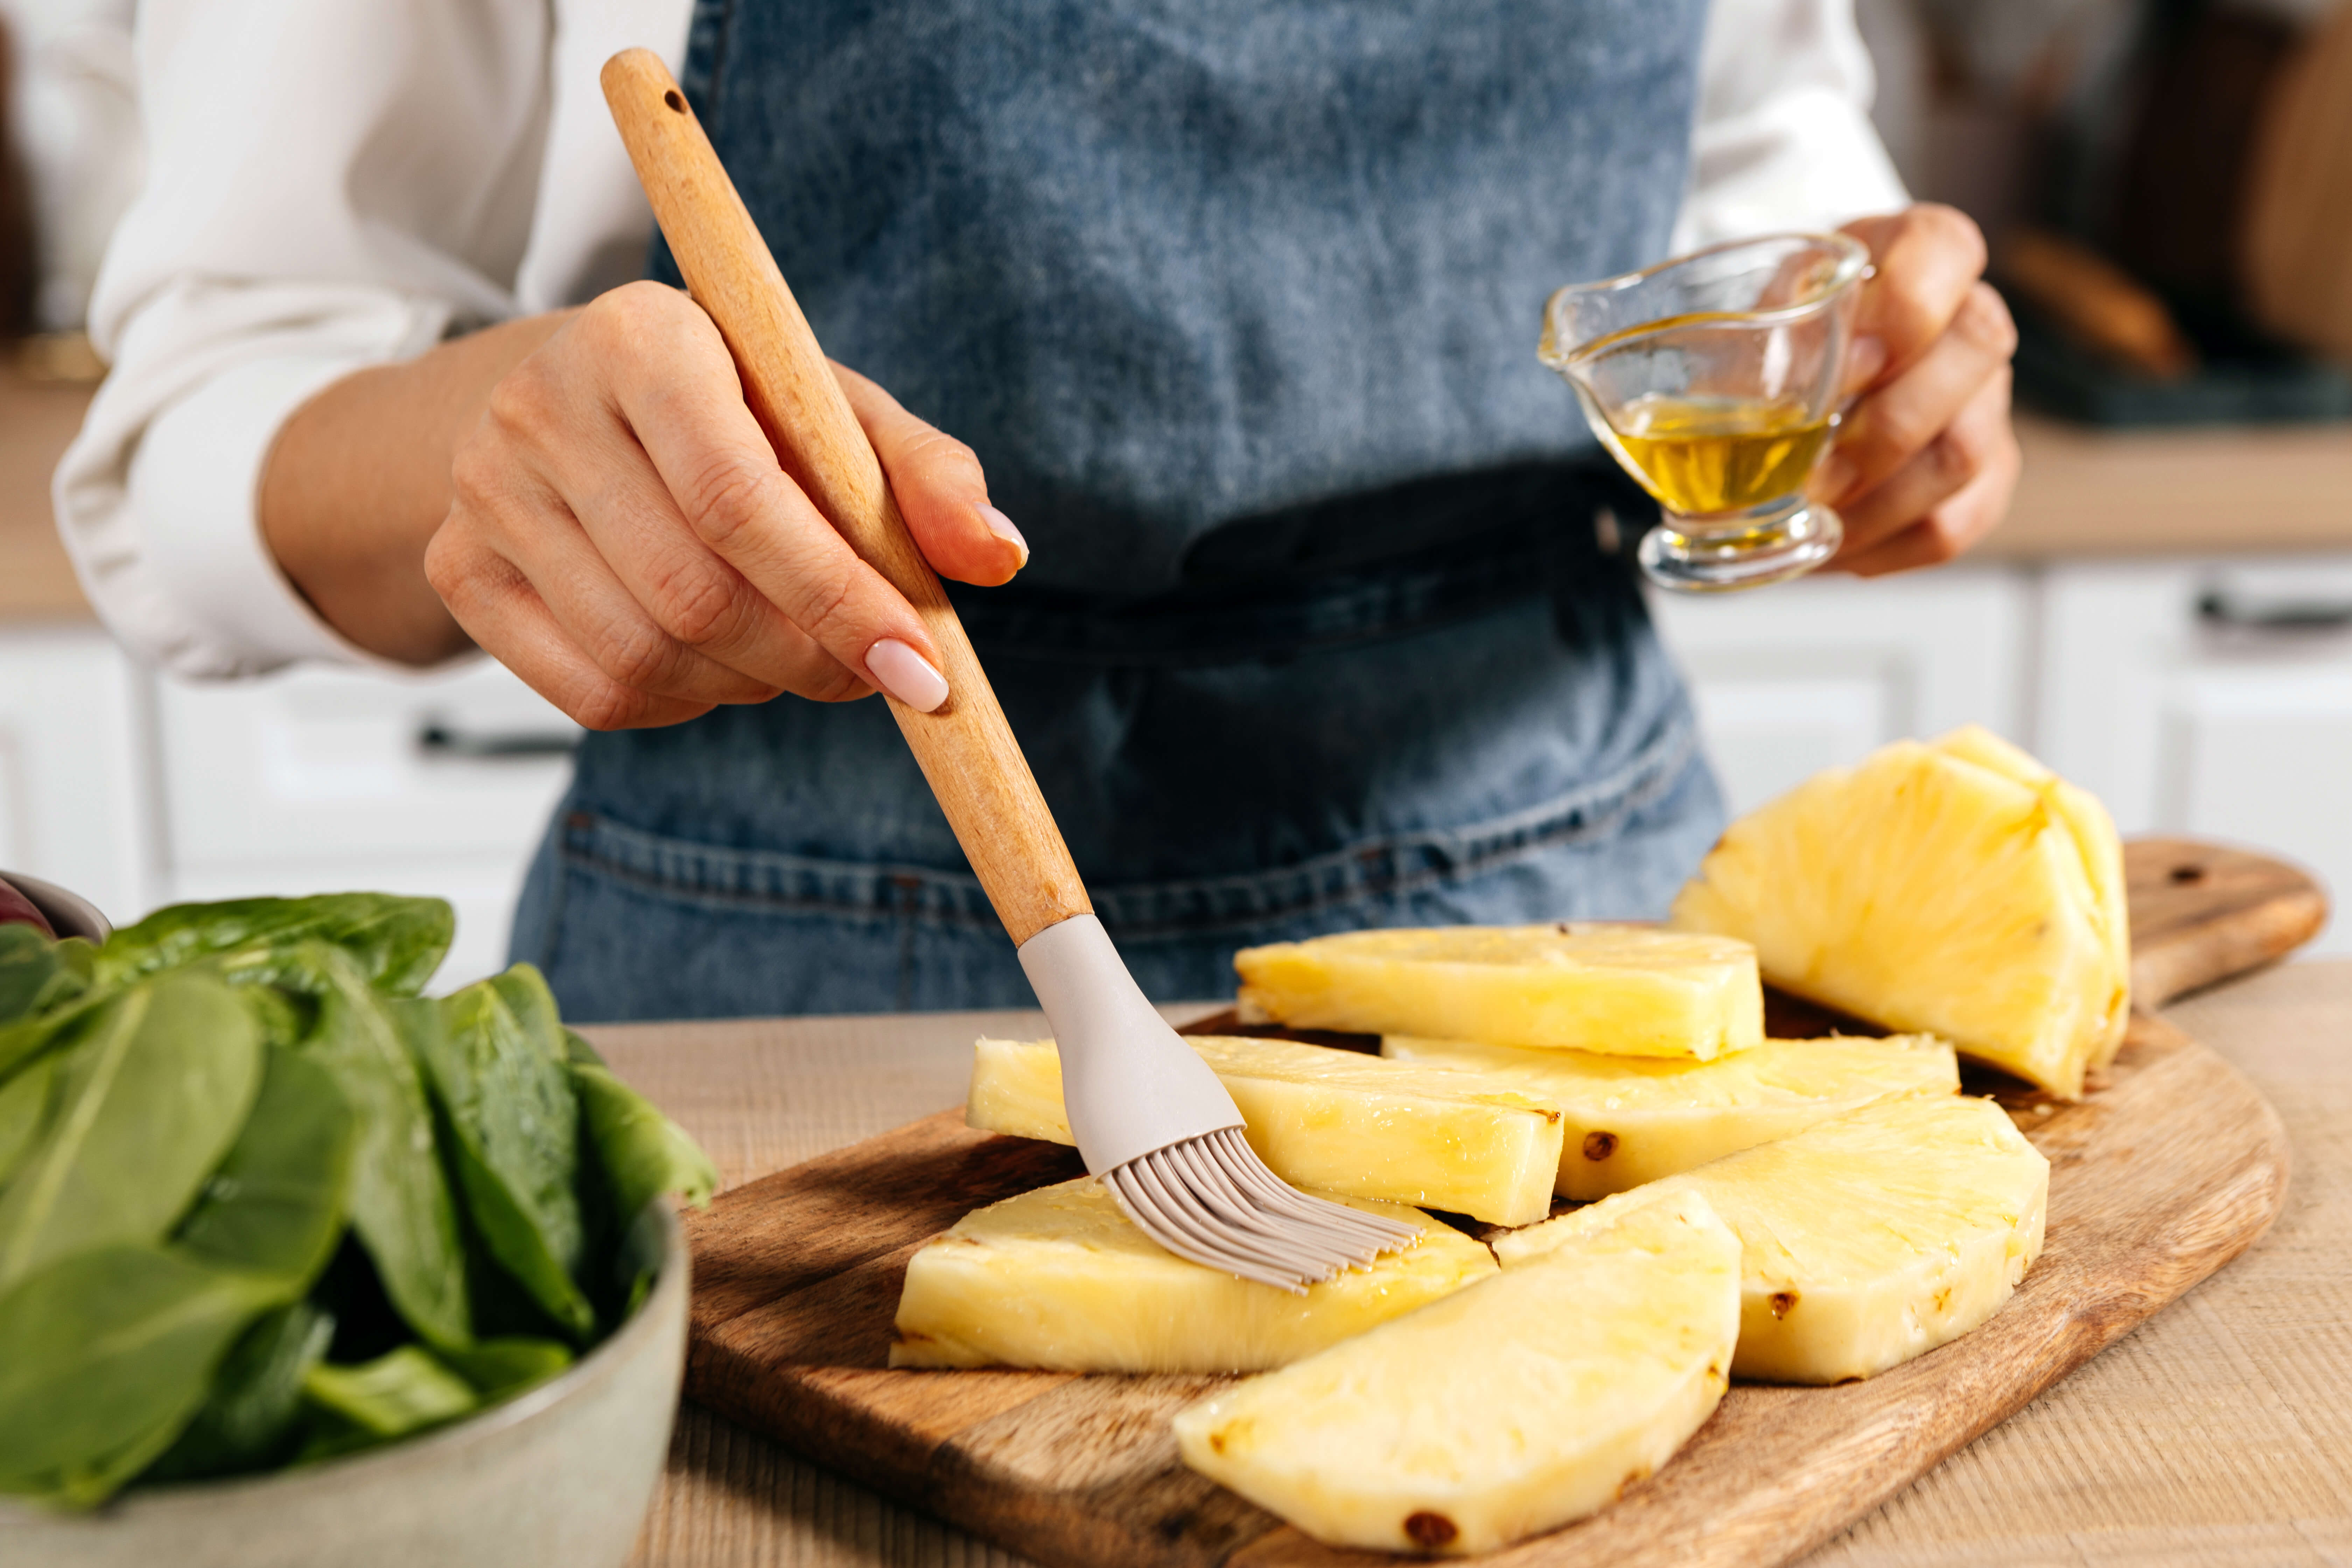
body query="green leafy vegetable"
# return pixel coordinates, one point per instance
(62, 993)
(107, 1356)
(31, 969)
(25, 1102)
(398, 943)
(276, 1205)
(232, 1148)
(495, 1054)
(147, 1101)
(400, 1201)
(393, 1395)
(501, 1368)
(254, 1411)
(644, 1154)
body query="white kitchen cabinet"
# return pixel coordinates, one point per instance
(1816, 673)
(76, 773)
(2210, 697)
(318, 780)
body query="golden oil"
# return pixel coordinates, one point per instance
(1705, 455)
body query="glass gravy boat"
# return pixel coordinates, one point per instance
(1714, 379)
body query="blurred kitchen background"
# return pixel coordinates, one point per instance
(2166, 617)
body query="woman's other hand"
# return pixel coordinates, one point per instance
(1925, 462)
(587, 498)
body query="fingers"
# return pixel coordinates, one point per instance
(1903, 415)
(504, 613)
(1953, 525)
(623, 535)
(940, 489)
(1970, 444)
(715, 465)
(1927, 258)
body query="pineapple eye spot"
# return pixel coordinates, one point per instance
(1430, 1530)
(1599, 1145)
(1781, 1301)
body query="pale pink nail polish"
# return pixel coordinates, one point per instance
(906, 675)
(1001, 526)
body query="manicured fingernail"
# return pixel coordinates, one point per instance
(906, 675)
(1865, 358)
(1001, 526)
(1832, 479)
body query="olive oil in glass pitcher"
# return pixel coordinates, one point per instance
(1714, 380)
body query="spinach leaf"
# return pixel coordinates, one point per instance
(398, 1393)
(64, 995)
(24, 1101)
(644, 1154)
(400, 1201)
(252, 1414)
(108, 1353)
(494, 1055)
(398, 943)
(148, 1098)
(276, 1205)
(499, 1369)
(29, 965)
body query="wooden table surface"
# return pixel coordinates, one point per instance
(2220, 1432)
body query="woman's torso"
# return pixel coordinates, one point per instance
(1237, 302)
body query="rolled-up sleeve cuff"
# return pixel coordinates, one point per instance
(1808, 158)
(195, 482)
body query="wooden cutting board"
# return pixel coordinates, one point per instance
(2165, 1171)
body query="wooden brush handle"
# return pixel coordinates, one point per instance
(965, 747)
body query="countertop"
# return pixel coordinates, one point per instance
(2211, 489)
(2084, 493)
(2220, 1432)
(37, 421)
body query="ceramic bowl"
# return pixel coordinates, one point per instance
(558, 1478)
(69, 914)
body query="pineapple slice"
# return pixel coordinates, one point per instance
(1958, 889)
(1058, 1279)
(1632, 1120)
(1867, 1239)
(1623, 990)
(1339, 1121)
(1513, 1407)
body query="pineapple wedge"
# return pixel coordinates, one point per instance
(1632, 1120)
(1867, 1239)
(1513, 1407)
(1958, 889)
(1060, 1280)
(1339, 1121)
(1619, 989)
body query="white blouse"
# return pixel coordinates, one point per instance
(332, 186)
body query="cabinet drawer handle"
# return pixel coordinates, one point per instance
(2275, 616)
(435, 738)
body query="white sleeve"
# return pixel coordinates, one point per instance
(327, 186)
(1783, 139)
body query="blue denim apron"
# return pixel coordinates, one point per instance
(1236, 300)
